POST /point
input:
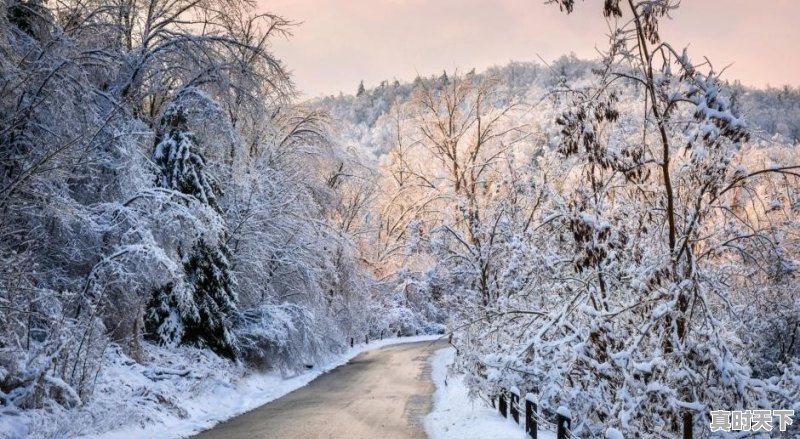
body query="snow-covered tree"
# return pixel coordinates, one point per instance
(181, 164)
(202, 312)
(640, 249)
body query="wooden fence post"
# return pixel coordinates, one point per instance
(351, 341)
(563, 422)
(366, 339)
(687, 425)
(531, 426)
(514, 404)
(501, 404)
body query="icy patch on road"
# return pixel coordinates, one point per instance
(455, 415)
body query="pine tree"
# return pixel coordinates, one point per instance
(199, 313)
(361, 89)
(167, 312)
(209, 272)
(182, 165)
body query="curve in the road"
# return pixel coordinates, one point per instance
(379, 394)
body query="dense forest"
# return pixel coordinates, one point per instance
(619, 236)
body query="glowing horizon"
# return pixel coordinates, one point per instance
(341, 42)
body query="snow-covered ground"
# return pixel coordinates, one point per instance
(182, 395)
(455, 415)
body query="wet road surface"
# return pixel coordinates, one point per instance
(384, 393)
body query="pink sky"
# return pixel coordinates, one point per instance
(341, 42)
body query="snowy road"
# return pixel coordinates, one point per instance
(379, 394)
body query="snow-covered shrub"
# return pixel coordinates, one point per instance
(284, 337)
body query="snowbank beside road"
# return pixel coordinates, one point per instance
(183, 394)
(455, 415)
(225, 402)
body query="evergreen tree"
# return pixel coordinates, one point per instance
(167, 312)
(199, 314)
(182, 165)
(361, 89)
(209, 272)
